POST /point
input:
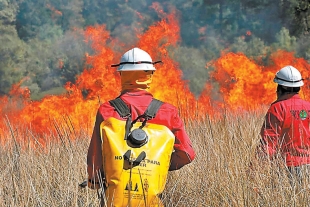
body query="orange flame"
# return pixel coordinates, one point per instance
(245, 84)
(237, 83)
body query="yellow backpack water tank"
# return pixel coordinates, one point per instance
(135, 176)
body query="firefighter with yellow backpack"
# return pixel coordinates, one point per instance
(136, 139)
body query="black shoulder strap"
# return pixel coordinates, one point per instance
(124, 112)
(120, 107)
(152, 109)
(150, 112)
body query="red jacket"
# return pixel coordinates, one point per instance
(287, 130)
(138, 101)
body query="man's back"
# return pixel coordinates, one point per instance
(167, 115)
(136, 69)
(289, 119)
(138, 102)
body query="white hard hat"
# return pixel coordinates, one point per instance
(289, 76)
(135, 59)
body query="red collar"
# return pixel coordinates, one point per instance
(288, 96)
(136, 92)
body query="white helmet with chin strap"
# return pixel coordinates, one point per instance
(134, 60)
(289, 77)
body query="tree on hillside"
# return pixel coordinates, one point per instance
(12, 50)
(301, 21)
(193, 65)
(54, 54)
(68, 13)
(32, 17)
(276, 14)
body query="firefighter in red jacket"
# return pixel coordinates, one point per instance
(136, 69)
(286, 129)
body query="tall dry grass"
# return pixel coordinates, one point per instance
(219, 176)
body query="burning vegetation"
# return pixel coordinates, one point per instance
(237, 83)
(224, 143)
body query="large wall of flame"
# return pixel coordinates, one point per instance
(245, 84)
(240, 83)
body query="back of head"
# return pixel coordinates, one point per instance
(136, 68)
(289, 81)
(135, 60)
(289, 77)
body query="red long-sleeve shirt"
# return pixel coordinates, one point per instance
(138, 102)
(287, 130)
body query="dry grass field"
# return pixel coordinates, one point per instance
(219, 176)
